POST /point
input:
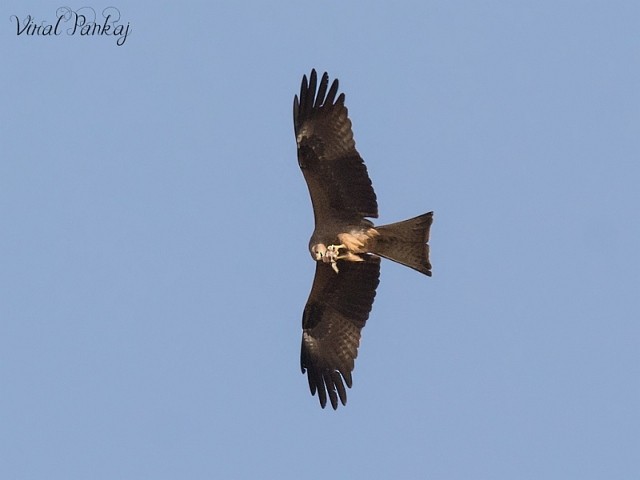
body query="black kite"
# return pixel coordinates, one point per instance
(346, 245)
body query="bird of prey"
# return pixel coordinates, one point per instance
(345, 244)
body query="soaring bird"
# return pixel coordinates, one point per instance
(345, 244)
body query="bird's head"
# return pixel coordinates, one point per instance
(318, 251)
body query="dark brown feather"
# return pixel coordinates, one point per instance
(405, 242)
(336, 175)
(336, 312)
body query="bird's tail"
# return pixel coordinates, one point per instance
(406, 242)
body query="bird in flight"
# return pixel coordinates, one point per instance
(345, 244)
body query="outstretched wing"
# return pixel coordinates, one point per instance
(336, 311)
(336, 175)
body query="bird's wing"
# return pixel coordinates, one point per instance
(337, 309)
(336, 175)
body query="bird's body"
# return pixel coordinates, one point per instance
(345, 243)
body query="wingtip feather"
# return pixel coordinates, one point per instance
(332, 92)
(322, 90)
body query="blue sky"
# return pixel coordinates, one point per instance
(153, 253)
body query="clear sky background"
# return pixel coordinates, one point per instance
(154, 227)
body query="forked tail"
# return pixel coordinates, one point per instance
(406, 242)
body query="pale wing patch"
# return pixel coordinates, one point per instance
(356, 241)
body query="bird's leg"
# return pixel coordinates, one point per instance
(333, 255)
(335, 250)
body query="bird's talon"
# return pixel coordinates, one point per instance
(335, 249)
